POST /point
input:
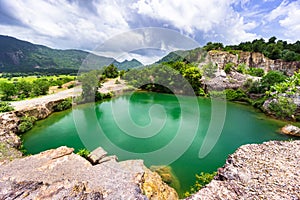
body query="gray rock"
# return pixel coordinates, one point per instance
(95, 156)
(291, 130)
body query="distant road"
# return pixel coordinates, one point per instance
(108, 86)
(76, 91)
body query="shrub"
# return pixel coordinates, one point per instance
(5, 107)
(235, 95)
(242, 68)
(27, 123)
(202, 179)
(83, 153)
(256, 72)
(283, 108)
(228, 67)
(210, 69)
(64, 105)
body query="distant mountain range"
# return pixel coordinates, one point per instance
(21, 56)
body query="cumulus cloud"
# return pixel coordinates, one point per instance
(216, 19)
(68, 23)
(288, 16)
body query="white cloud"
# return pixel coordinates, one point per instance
(66, 23)
(288, 16)
(214, 18)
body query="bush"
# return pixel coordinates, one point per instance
(283, 108)
(5, 107)
(27, 123)
(83, 153)
(202, 179)
(256, 72)
(210, 69)
(235, 95)
(271, 78)
(64, 105)
(242, 68)
(228, 67)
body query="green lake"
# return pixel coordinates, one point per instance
(162, 129)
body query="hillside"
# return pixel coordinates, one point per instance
(21, 56)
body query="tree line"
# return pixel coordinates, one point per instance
(272, 49)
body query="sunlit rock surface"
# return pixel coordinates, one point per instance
(258, 171)
(61, 174)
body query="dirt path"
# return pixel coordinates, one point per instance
(108, 86)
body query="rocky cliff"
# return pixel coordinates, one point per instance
(61, 174)
(252, 59)
(257, 171)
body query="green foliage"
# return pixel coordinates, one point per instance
(271, 78)
(283, 107)
(64, 105)
(90, 84)
(40, 87)
(167, 77)
(228, 67)
(256, 72)
(210, 69)
(235, 95)
(8, 90)
(213, 46)
(5, 107)
(202, 179)
(271, 49)
(242, 68)
(83, 153)
(111, 71)
(26, 123)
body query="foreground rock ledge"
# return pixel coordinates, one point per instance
(61, 174)
(258, 171)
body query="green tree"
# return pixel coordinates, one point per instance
(40, 87)
(210, 69)
(24, 89)
(271, 78)
(90, 84)
(111, 71)
(283, 107)
(8, 90)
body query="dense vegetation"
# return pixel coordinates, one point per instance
(272, 49)
(91, 82)
(168, 77)
(19, 88)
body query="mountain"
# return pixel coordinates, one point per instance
(22, 56)
(126, 64)
(192, 56)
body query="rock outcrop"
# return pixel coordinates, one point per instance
(9, 122)
(291, 130)
(61, 174)
(257, 171)
(252, 59)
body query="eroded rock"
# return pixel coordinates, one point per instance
(258, 171)
(291, 130)
(61, 174)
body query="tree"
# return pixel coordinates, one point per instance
(210, 69)
(8, 90)
(40, 87)
(272, 40)
(90, 84)
(111, 71)
(271, 78)
(24, 88)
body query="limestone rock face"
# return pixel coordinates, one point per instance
(257, 171)
(252, 59)
(61, 174)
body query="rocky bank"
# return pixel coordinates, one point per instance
(61, 174)
(257, 171)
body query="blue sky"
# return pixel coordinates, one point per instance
(83, 24)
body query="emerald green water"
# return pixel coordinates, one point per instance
(156, 128)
